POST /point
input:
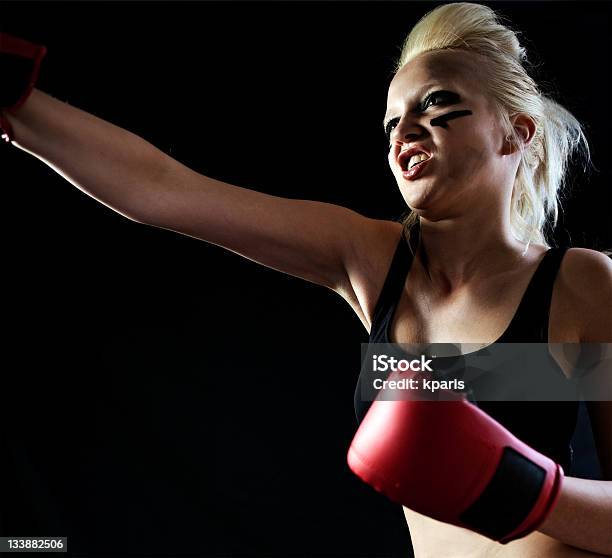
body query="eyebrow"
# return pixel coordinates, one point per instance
(416, 100)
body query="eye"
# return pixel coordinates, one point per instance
(439, 98)
(434, 99)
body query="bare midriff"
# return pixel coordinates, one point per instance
(434, 539)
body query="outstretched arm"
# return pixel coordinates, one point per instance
(303, 238)
(110, 164)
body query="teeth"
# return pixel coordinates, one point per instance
(417, 159)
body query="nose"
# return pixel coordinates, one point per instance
(407, 130)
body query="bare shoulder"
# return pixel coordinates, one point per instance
(585, 282)
(366, 264)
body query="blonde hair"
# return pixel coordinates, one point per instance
(541, 175)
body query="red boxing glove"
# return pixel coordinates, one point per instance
(19, 67)
(452, 462)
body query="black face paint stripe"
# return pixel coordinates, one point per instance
(442, 120)
(446, 97)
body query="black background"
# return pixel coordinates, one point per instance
(162, 396)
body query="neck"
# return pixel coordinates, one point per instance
(456, 252)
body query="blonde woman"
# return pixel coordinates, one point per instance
(479, 155)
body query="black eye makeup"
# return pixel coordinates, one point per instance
(440, 97)
(434, 98)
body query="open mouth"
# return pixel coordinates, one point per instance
(417, 160)
(415, 168)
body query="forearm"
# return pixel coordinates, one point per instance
(582, 516)
(113, 165)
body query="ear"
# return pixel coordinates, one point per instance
(525, 129)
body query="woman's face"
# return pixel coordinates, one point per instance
(437, 103)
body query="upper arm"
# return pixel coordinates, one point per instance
(306, 239)
(590, 275)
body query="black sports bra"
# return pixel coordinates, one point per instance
(547, 426)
